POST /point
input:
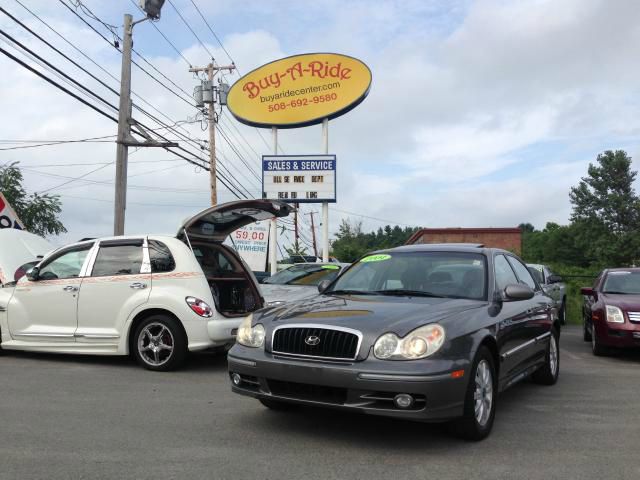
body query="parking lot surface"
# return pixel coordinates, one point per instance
(98, 417)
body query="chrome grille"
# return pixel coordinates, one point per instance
(316, 341)
(634, 316)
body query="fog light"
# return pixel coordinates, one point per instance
(236, 379)
(403, 400)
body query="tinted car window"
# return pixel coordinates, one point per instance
(304, 275)
(160, 257)
(447, 274)
(537, 274)
(67, 265)
(504, 273)
(523, 273)
(118, 260)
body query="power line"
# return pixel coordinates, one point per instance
(57, 85)
(214, 34)
(191, 29)
(76, 179)
(164, 36)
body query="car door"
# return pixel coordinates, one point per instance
(118, 281)
(552, 289)
(539, 311)
(45, 309)
(514, 336)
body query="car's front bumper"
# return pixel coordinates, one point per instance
(368, 386)
(619, 335)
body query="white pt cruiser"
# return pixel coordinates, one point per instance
(155, 297)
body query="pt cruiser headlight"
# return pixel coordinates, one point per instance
(420, 343)
(250, 336)
(614, 314)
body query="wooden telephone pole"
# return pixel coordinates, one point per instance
(209, 97)
(313, 233)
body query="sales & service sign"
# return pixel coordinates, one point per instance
(300, 90)
(299, 178)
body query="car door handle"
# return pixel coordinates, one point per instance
(70, 288)
(138, 285)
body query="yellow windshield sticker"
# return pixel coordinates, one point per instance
(376, 258)
(331, 267)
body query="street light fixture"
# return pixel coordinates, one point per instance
(152, 8)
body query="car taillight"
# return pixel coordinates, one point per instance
(200, 307)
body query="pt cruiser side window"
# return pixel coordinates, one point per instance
(66, 265)
(118, 259)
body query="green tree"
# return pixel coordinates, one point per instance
(351, 242)
(606, 210)
(39, 213)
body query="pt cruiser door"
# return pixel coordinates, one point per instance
(117, 281)
(44, 308)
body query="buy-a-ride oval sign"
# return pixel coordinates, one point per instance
(300, 90)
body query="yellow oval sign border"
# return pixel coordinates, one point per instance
(312, 121)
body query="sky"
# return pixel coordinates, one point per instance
(481, 113)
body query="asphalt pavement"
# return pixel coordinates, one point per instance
(101, 417)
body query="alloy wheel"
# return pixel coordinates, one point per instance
(553, 355)
(155, 344)
(483, 395)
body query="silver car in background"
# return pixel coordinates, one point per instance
(553, 286)
(298, 281)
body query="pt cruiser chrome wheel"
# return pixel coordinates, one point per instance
(483, 395)
(553, 355)
(155, 344)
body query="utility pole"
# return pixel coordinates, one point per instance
(313, 233)
(125, 121)
(208, 96)
(295, 223)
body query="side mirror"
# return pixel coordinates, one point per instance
(518, 292)
(589, 292)
(323, 285)
(32, 274)
(554, 279)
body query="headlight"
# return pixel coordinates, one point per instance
(420, 343)
(250, 336)
(614, 314)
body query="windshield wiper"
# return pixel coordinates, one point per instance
(619, 293)
(350, 292)
(408, 293)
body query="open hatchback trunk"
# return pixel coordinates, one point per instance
(232, 284)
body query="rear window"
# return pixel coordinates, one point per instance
(160, 257)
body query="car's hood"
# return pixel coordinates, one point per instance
(18, 247)
(286, 293)
(373, 314)
(629, 303)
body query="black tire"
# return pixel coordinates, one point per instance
(562, 313)
(468, 426)
(277, 405)
(586, 334)
(149, 334)
(548, 373)
(597, 348)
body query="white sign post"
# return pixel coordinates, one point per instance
(251, 242)
(8, 217)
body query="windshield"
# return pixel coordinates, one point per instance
(438, 274)
(304, 275)
(622, 282)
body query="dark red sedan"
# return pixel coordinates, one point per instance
(611, 310)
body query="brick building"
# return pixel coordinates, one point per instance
(507, 238)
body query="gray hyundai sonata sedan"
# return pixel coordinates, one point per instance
(420, 332)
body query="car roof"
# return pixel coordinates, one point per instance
(622, 269)
(320, 264)
(443, 247)
(119, 237)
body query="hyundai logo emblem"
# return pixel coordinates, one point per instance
(312, 340)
